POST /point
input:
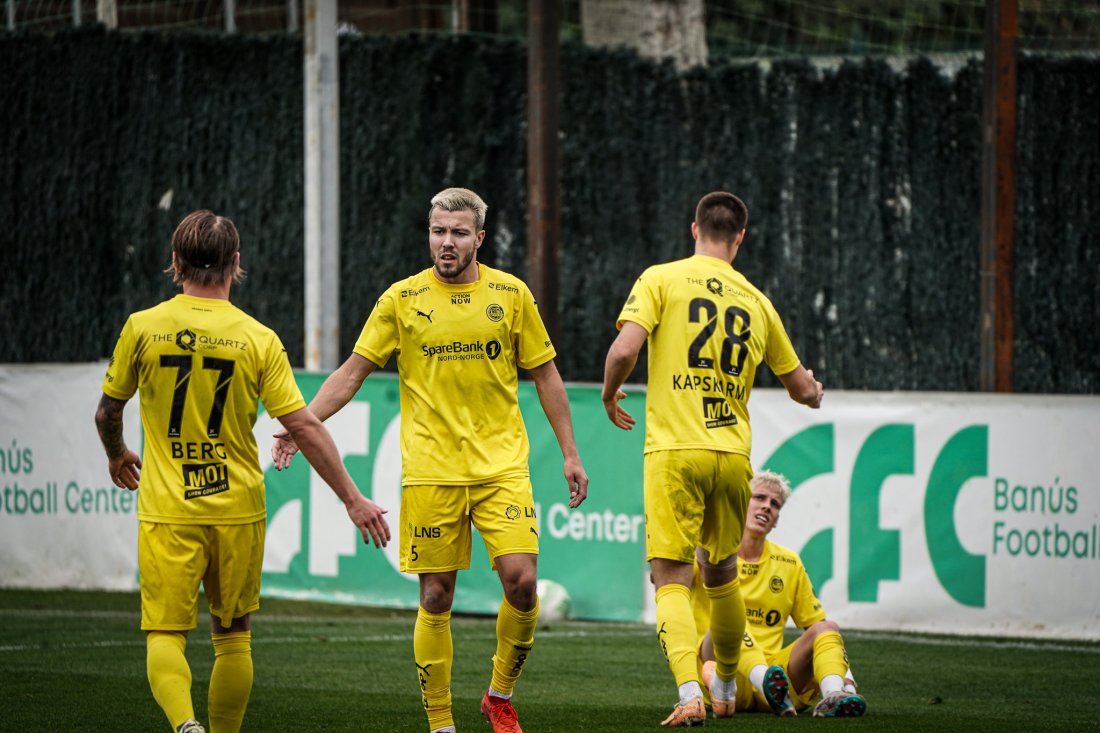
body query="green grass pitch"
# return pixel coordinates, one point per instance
(74, 661)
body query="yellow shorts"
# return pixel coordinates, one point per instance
(436, 523)
(174, 558)
(695, 498)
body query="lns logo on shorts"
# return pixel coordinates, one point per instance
(514, 512)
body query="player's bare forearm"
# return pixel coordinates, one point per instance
(108, 421)
(555, 403)
(341, 386)
(802, 387)
(123, 464)
(317, 445)
(620, 362)
(336, 391)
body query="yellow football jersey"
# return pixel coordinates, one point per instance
(709, 328)
(457, 349)
(199, 366)
(777, 588)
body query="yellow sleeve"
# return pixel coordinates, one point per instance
(643, 305)
(379, 337)
(532, 341)
(278, 390)
(779, 353)
(121, 379)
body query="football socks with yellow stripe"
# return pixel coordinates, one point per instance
(830, 661)
(515, 638)
(169, 674)
(230, 681)
(433, 651)
(727, 626)
(676, 631)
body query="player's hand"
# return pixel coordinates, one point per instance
(819, 391)
(577, 480)
(125, 470)
(615, 412)
(283, 449)
(367, 516)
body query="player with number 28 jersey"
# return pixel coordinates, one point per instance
(702, 365)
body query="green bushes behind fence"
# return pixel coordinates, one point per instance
(863, 182)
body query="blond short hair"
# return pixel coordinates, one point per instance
(777, 480)
(461, 199)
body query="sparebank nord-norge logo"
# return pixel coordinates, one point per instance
(874, 552)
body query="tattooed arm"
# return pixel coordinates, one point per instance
(123, 464)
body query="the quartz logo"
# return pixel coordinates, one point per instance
(185, 339)
(875, 552)
(714, 285)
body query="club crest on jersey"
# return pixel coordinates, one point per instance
(495, 313)
(776, 584)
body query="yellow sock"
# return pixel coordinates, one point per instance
(433, 652)
(829, 656)
(676, 631)
(230, 681)
(727, 626)
(169, 674)
(515, 638)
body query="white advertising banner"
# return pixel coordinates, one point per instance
(63, 524)
(947, 512)
(933, 512)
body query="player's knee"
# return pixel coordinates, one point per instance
(822, 627)
(521, 590)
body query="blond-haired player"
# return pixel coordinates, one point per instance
(199, 365)
(708, 328)
(776, 587)
(459, 330)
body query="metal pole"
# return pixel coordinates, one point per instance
(292, 15)
(543, 197)
(230, 9)
(322, 186)
(9, 8)
(77, 20)
(998, 196)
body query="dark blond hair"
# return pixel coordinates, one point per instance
(205, 246)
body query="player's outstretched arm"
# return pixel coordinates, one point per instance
(336, 392)
(123, 464)
(555, 403)
(802, 387)
(620, 361)
(316, 443)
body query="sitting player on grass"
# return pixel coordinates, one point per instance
(776, 587)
